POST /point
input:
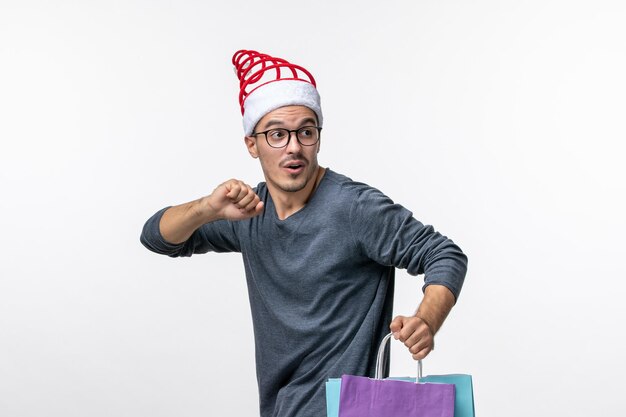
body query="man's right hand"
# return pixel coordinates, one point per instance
(231, 200)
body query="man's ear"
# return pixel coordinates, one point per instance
(251, 145)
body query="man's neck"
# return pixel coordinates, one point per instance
(288, 203)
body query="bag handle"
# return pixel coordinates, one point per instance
(381, 355)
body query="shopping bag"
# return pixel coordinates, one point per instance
(333, 389)
(464, 397)
(355, 396)
(464, 392)
(367, 397)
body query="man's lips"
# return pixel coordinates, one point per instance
(293, 164)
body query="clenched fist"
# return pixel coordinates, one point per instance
(415, 333)
(232, 200)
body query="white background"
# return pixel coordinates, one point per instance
(499, 122)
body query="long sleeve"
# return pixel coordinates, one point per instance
(389, 234)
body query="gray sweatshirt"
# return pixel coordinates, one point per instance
(320, 283)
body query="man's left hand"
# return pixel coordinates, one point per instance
(415, 333)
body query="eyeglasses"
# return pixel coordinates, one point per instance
(279, 138)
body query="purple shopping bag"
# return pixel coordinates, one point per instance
(377, 397)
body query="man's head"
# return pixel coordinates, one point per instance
(286, 142)
(282, 119)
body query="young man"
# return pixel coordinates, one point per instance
(319, 249)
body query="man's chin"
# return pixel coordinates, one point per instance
(292, 187)
(291, 184)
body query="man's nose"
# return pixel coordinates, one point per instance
(293, 145)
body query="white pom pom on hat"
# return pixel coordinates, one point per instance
(267, 83)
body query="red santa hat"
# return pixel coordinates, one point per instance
(267, 83)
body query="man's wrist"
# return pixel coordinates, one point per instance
(202, 211)
(426, 322)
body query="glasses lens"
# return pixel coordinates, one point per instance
(308, 135)
(277, 137)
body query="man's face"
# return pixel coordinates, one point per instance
(292, 168)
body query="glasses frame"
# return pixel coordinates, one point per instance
(319, 135)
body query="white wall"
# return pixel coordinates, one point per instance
(500, 122)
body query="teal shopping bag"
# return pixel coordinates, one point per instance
(333, 388)
(464, 397)
(464, 390)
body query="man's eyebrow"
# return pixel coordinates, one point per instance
(275, 122)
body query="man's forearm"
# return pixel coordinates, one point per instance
(179, 222)
(437, 302)
(231, 200)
